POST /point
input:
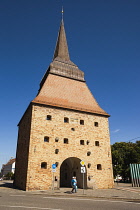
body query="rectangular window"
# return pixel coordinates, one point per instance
(44, 165)
(99, 167)
(46, 139)
(56, 139)
(96, 124)
(82, 142)
(66, 120)
(88, 153)
(81, 122)
(66, 141)
(49, 117)
(97, 143)
(56, 151)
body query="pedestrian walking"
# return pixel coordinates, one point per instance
(74, 185)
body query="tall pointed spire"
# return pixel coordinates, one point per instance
(61, 64)
(61, 50)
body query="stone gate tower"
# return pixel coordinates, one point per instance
(63, 125)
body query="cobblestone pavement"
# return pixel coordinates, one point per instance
(121, 191)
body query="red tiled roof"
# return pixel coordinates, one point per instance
(11, 161)
(68, 93)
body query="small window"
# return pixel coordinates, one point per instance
(97, 143)
(56, 164)
(89, 165)
(46, 139)
(56, 151)
(96, 124)
(99, 167)
(49, 117)
(81, 122)
(88, 153)
(89, 178)
(66, 120)
(56, 139)
(88, 142)
(82, 142)
(73, 129)
(65, 141)
(44, 165)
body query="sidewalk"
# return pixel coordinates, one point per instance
(122, 191)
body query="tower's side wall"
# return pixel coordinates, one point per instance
(22, 152)
(45, 152)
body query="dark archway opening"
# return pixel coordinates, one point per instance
(69, 168)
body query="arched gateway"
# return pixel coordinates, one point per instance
(71, 167)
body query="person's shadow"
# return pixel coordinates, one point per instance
(68, 192)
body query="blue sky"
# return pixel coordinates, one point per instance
(104, 41)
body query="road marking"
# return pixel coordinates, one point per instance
(129, 190)
(28, 207)
(17, 195)
(88, 199)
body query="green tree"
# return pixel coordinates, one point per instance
(122, 155)
(9, 175)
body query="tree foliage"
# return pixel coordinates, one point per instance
(122, 155)
(9, 175)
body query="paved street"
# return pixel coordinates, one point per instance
(62, 203)
(121, 197)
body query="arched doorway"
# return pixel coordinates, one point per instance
(71, 167)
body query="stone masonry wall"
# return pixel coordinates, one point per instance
(23, 150)
(39, 151)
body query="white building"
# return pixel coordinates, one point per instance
(8, 167)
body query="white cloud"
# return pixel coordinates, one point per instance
(116, 131)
